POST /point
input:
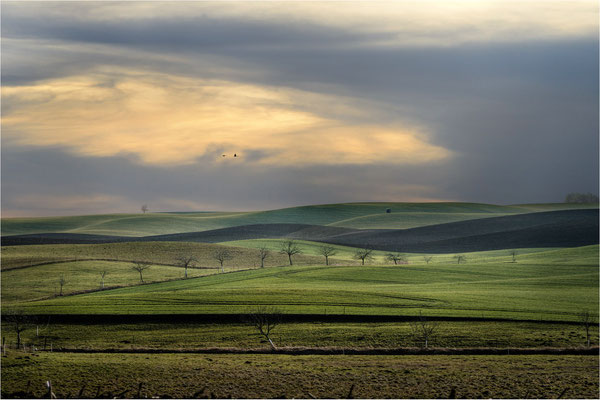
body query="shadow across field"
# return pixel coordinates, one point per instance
(100, 319)
(567, 228)
(351, 351)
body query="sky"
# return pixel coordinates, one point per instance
(110, 105)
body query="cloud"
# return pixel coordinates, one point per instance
(42, 204)
(48, 178)
(492, 101)
(212, 24)
(167, 120)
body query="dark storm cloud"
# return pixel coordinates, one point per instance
(521, 115)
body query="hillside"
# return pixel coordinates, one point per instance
(538, 289)
(567, 228)
(351, 215)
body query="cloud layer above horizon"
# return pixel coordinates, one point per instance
(492, 101)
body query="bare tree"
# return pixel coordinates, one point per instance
(61, 282)
(460, 258)
(290, 248)
(186, 261)
(265, 319)
(144, 208)
(222, 255)
(423, 330)
(19, 321)
(263, 253)
(427, 259)
(140, 267)
(327, 251)
(363, 254)
(396, 258)
(587, 320)
(513, 253)
(102, 275)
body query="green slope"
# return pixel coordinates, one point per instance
(544, 288)
(409, 219)
(32, 272)
(355, 215)
(42, 281)
(156, 252)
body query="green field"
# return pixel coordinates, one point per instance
(324, 335)
(352, 215)
(156, 252)
(490, 302)
(536, 288)
(342, 282)
(81, 265)
(345, 254)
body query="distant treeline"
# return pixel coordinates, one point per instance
(581, 198)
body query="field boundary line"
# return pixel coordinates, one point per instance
(352, 351)
(237, 318)
(95, 259)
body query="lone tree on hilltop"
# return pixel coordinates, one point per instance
(290, 248)
(263, 253)
(363, 254)
(144, 208)
(460, 258)
(140, 267)
(222, 255)
(265, 319)
(396, 258)
(427, 259)
(186, 261)
(423, 330)
(327, 251)
(61, 282)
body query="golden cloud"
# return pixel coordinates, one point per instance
(169, 120)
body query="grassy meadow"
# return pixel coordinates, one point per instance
(291, 335)
(542, 285)
(491, 300)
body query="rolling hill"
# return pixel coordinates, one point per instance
(566, 228)
(351, 215)
(537, 288)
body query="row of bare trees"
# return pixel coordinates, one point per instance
(185, 261)
(288, 247)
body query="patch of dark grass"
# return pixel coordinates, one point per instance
(279, 376)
